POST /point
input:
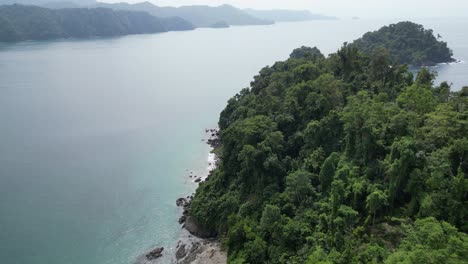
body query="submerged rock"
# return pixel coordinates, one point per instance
(181, 202)
(181, 252)
(155, 254)
(182, 219)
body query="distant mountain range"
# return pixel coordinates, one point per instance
(200, 16)
(81, 18)
(65, 3)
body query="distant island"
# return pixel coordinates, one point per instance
(220, 24)
(279, 15)
(342, 159)
(407, 43)
(18, 23)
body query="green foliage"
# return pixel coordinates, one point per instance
(431, 241)
(307, 53)
(342, 159)
(327, 171)
(406, 43)
(299, 186)
(375, 201)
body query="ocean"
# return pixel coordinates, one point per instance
(98, 137)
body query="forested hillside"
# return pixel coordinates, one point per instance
(345, 159)
(18, 23)
(408, 43)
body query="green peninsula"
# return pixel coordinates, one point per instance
(342, 159)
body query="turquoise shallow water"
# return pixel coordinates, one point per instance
(96, 135)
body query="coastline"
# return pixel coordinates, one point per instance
(192, 249)
(192, 245)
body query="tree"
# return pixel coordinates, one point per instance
(271, 220)
(299, 186)
(375, 201)
(306, 72)
(255, 251)
(380, 65)
(418, 99)
(431, 241)
(307, 53)
(328, 171)
(425, 77)
(318, 257)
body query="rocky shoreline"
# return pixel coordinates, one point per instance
(196, 245)
(200, 252)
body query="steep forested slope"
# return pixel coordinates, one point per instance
(18, 22)
(345, 159)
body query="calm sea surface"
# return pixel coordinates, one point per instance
(96, 135)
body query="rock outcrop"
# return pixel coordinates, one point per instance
(155, 254)
(195, 229)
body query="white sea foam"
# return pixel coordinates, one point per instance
(211, 162)
(456, 62)
(210, 166)
(448, 63)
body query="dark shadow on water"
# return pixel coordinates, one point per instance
(40, 44)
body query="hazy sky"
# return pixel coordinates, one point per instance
(343, 8)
